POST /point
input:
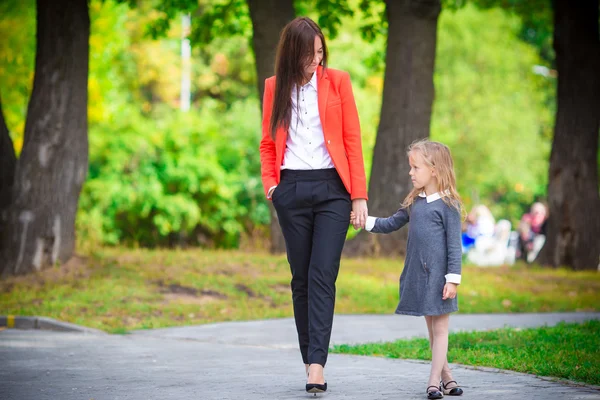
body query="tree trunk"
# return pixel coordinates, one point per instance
(8, 163)
(573, 234)
(405, 115)
(268, 19)
(52, 167)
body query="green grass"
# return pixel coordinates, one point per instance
(568, 351)
(123, 289)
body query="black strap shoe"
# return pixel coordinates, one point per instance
(454, 391)
(434, 394)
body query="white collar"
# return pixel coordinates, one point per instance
(432, 197)
(312, 83)
(313, 80)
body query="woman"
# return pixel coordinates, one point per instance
(313, 170)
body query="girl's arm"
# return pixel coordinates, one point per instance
(452, 225)
(389, 224)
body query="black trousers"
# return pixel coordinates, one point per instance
(313, 208)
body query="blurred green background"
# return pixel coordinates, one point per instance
(162, 177)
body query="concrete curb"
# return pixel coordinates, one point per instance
(554, 379)
(44, 323)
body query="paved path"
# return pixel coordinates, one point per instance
(248, 360)
(349, 329)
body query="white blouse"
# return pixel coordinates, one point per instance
(305, 144)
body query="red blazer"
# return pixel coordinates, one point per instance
(341, 128)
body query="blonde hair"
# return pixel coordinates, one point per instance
(437, 156)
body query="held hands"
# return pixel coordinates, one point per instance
(359, 213)
(352, 218)
(449, 291)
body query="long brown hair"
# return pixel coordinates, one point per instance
(436, 155)
(296, 49)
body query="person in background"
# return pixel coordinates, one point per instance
(480, 223)
(532, 232)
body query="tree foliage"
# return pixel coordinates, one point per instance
(159, 177)
(17, 59)
(492, 110)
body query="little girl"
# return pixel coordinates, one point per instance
(431, 274)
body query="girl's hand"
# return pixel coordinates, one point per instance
(352, 217)
(449, 291)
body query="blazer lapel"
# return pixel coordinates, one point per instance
(322, 93)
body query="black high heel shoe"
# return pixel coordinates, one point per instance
(316, 388)
(454, 391)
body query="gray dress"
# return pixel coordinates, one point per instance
(433, 250)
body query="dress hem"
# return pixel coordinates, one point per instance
(420, 314)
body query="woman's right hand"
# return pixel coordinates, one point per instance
(360, 211)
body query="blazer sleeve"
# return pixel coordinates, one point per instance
(267, 145)
(352, 140)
